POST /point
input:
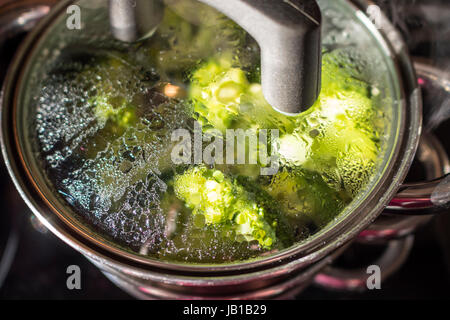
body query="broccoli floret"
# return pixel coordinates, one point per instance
(217, 95)
(224, 98)
(345, 155)
(112, 87)
(123, 114)
(335, 143)
(304, 197)
(218, 199)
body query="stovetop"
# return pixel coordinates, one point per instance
(33, 261)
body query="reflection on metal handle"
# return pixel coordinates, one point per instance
(434, 196)
(422, 198)
(20, 16)
(393, 258)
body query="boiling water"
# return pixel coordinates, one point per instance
(104, 122)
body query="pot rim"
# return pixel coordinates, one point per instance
(292, 258)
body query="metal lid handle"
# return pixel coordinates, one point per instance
(287, 31)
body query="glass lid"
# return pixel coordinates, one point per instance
(166, 150)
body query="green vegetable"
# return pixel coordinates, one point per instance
(335, 138)
(113, 83)
(217, 199)
(345, 155)
(216, 91)
(223, 98)
(123, 114)
(304, 197)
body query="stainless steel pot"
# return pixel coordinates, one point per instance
(274, 276)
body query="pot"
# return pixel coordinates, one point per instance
(278, 275)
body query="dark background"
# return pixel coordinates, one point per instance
(38, 269)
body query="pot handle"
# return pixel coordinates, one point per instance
(413, 199)
(392, 259)
(434, 196)
(422, 198)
